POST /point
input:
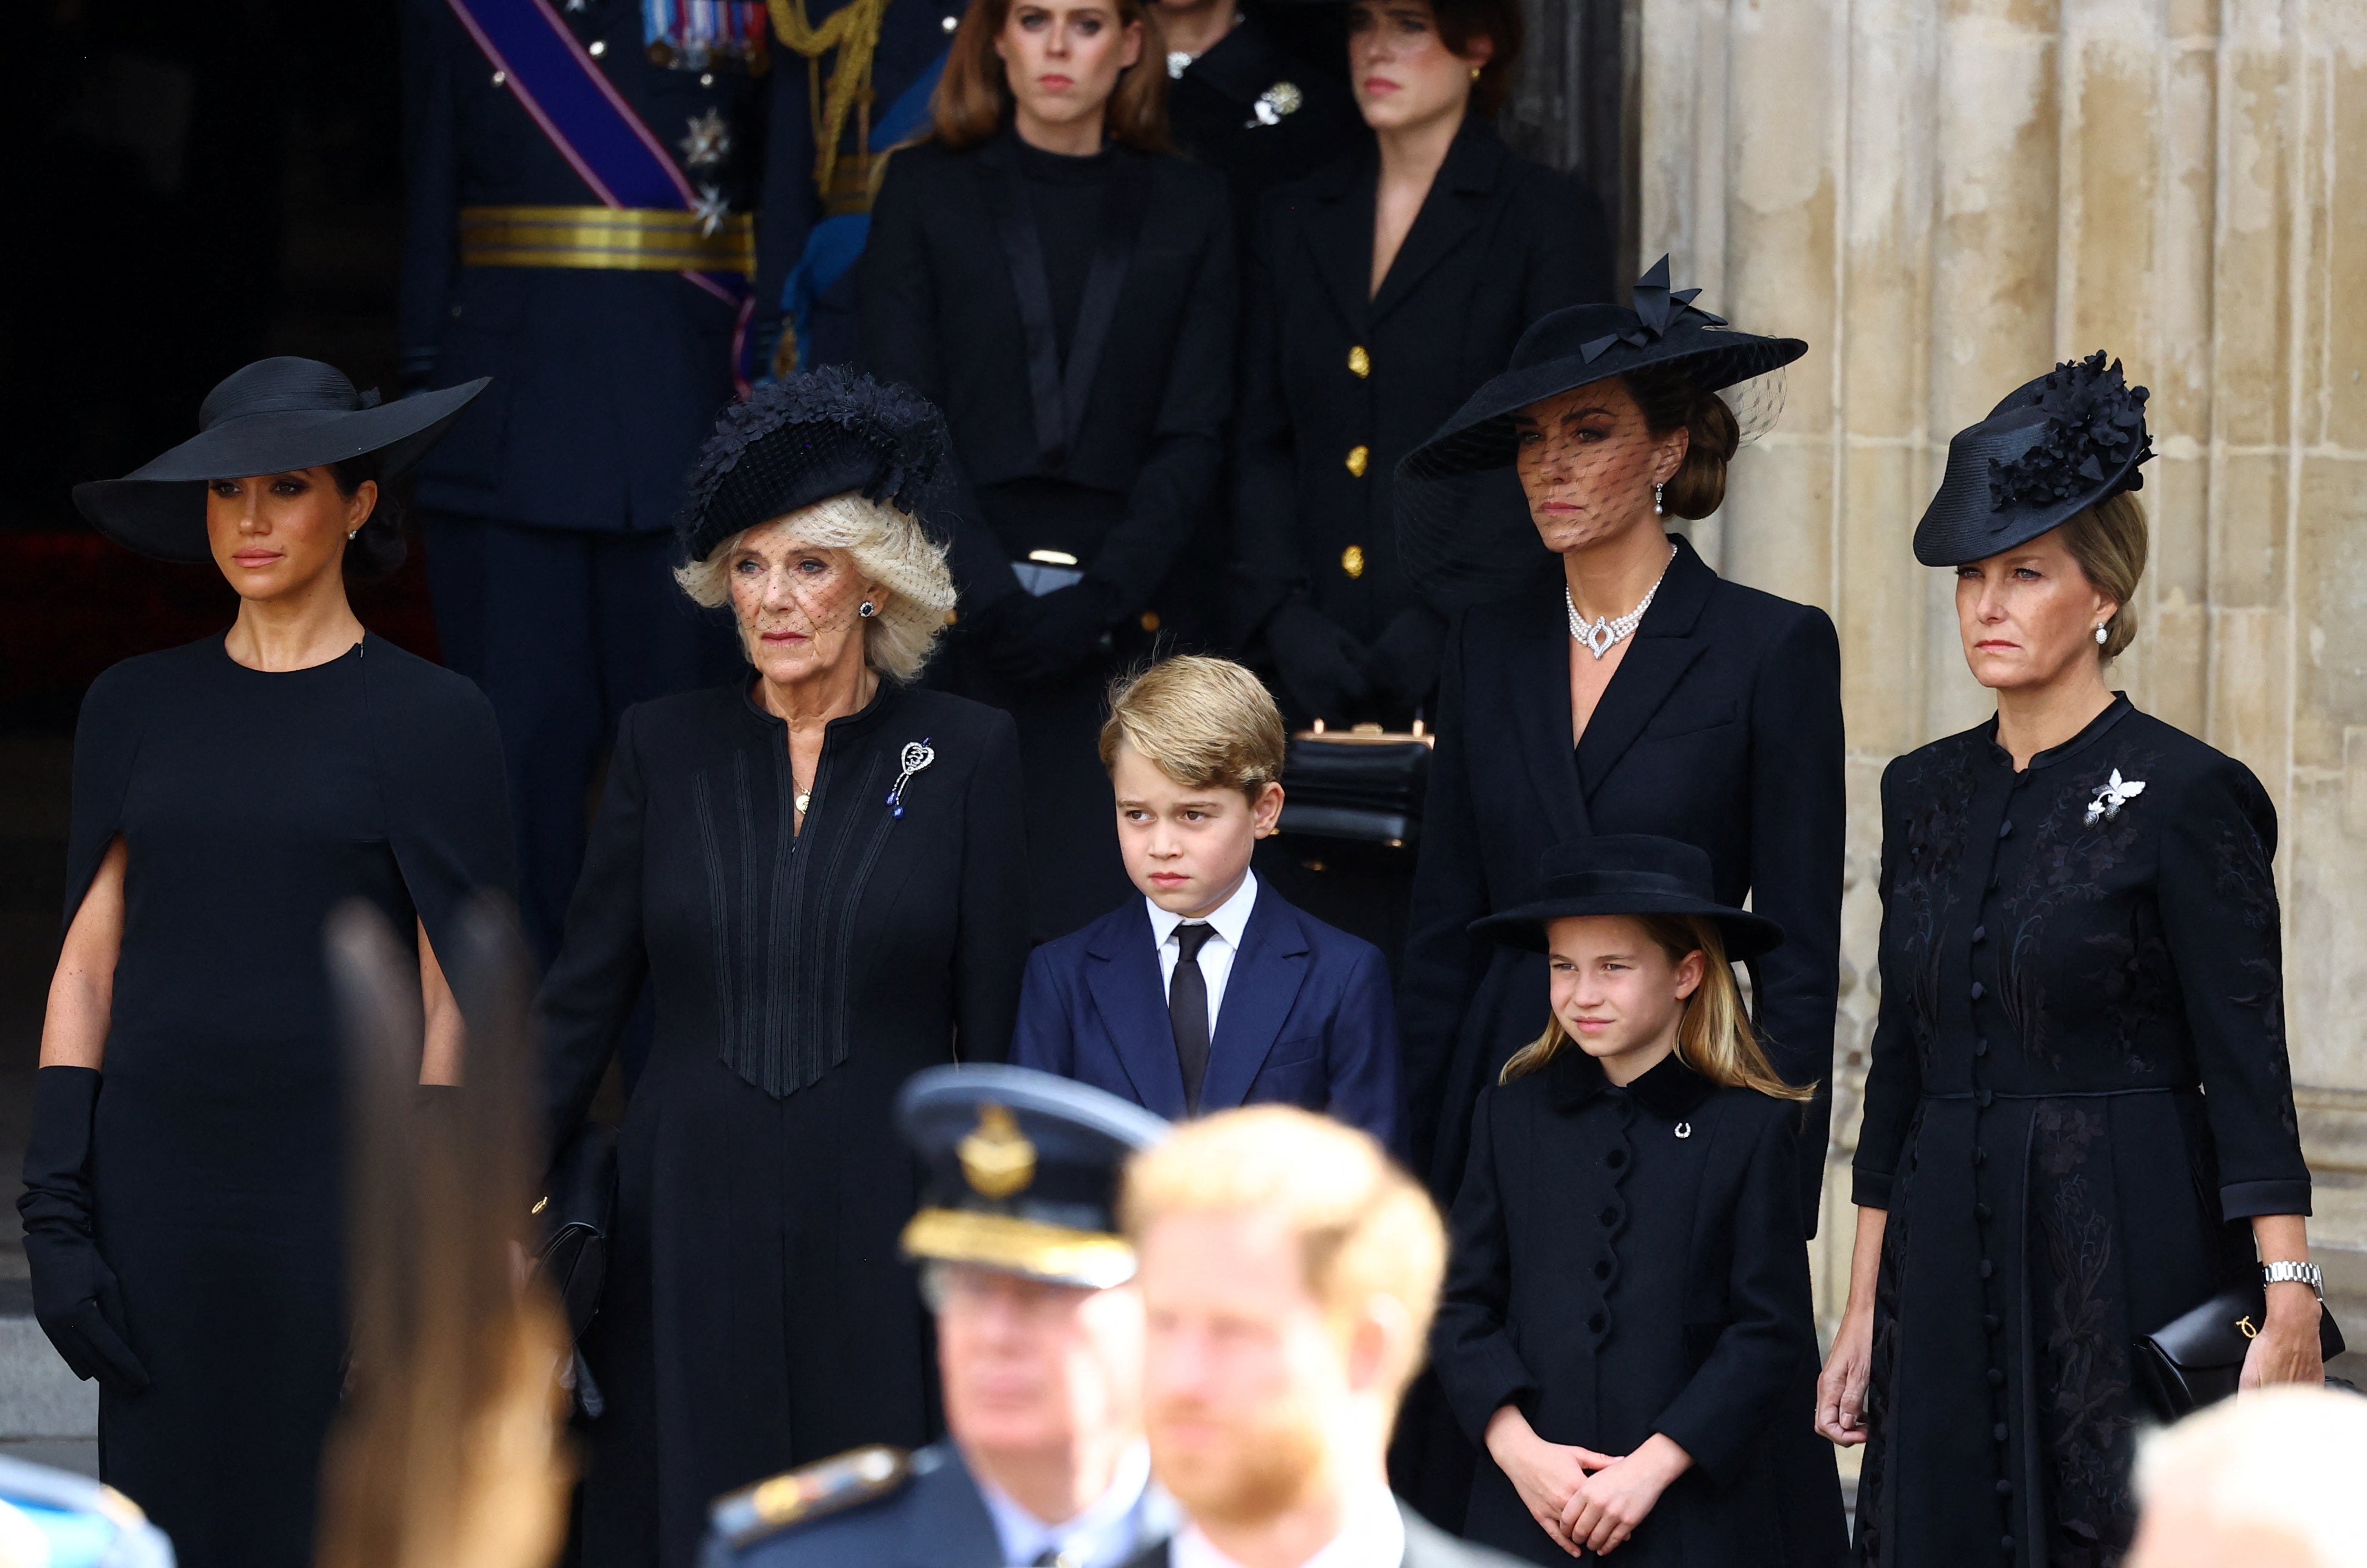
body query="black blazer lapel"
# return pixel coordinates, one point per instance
(1267, 974)
(1451, 212)
(1665, 647)
(1338, 239)
(1538, 685)
(1122, 973)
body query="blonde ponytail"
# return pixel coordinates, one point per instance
(1714, 1037)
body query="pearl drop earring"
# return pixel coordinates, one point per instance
(352, 534)
(1656, 499)
(2101, 636)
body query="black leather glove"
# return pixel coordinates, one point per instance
(1044, 639)
(1403, 663)
(75, 1298)
(1320, 663)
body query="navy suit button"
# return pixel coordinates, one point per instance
(1979, 990)
(1997, 1378)
(1984, 1097)
(1610, 1216)
(2005, 1488)
(1980, 1156)
(1980, 934)
(1595, 1323)
(2005, 1544)
(1998, 1432)
(1992, 1321)
(1988, 1269)
(1615, 1158)
(2005, 830)
(1602, 1268)
(1981, 1211)
(1981, 1046)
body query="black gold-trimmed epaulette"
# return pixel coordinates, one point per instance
(817, 1491)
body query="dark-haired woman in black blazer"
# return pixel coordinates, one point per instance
(1063, 288)
(1630, 691)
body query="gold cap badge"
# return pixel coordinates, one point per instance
(997, 1159)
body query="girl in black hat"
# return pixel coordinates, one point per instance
(2080, 1117)
(817, 871)
(1627, 1309)
(182, 1179)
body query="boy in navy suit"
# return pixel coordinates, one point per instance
(1211, 991)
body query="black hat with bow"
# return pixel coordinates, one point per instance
(1584, 343)
(1627, 874)
(276, 416)
(806, 438)
(2049, 450)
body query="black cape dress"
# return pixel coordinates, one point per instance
(758, 1315)
(251, 804)
(2079, 1095)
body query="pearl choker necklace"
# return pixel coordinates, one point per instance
(1605, 635)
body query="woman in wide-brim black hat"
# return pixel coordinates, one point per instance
(1628, 1293)
(2078, 1114)
(182, 1179)
(819, 871)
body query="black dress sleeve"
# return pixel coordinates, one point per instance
(1478, 1365)
(990, 946)
(1177, 484)
(592, 987)
(1443, 961)
(447, 798)
(1894, 1077)
(106, 742)
(2218, 900)
(1726, 1410)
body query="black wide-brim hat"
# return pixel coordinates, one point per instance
(275, 416)
(2050, 449)
(1576, 346)
(1627, 874)
(1022, 1172)
(806, 438)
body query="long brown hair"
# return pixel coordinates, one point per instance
(1714, 1038)
(973, 97)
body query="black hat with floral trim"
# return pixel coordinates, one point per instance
(2051, 448)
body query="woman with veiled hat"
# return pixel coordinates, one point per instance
(820, 871)
(2078, 1118)
(183, 1176)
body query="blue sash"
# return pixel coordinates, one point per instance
(835, 243)
(590, 124)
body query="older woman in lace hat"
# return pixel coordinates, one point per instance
(815, 868)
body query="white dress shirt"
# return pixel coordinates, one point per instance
(1372, 1535)
(1112, 1529)
(1231, 919)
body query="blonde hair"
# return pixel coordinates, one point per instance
(1365, 1227)
(2108, 541)
(1206, 723)
(886, 546)
(1714, 1037)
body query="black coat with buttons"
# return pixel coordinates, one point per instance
(2079, 1095)
(604, 382)
(1627, 1262)
(1339, 382)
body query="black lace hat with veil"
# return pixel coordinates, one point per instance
(1462, 549)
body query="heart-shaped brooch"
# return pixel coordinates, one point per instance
(918, 754)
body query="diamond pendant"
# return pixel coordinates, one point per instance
(1597, 638)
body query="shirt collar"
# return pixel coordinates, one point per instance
(1670, 1091)
(1103, 1532)
(1372, 1535)
(2114, 711)
(1231, 918)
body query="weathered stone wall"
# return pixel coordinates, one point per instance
(1944, 197)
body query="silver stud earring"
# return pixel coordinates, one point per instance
(866, 609)
(2102, 637)
(1656, 499)
(352, 534)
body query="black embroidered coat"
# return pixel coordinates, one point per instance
(1628, 1261)
(757, 1314)
(2077, 1096)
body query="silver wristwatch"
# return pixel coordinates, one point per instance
(2294, 1273)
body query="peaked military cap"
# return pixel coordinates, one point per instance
(1022, 1172)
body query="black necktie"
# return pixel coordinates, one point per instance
(1187, 1010)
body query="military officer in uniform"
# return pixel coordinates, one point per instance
(1039, 1347)
(579, 177)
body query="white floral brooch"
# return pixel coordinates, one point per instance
(2111, 797)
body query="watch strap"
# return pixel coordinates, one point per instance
(2294, 1273)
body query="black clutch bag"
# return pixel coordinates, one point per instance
(2197, 1358)
(1365, 783)
(576, 1213)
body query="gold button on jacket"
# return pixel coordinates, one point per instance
(1357, 457)
(1359, 362)
(1351, 560)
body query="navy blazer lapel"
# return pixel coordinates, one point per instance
(1664, 647)
(1458, 195)
(1122, 973)
(1539, 634)
(1259, 993)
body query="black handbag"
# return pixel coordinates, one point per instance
(2197, 1358)
(1365, 783)
(577, 1210)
